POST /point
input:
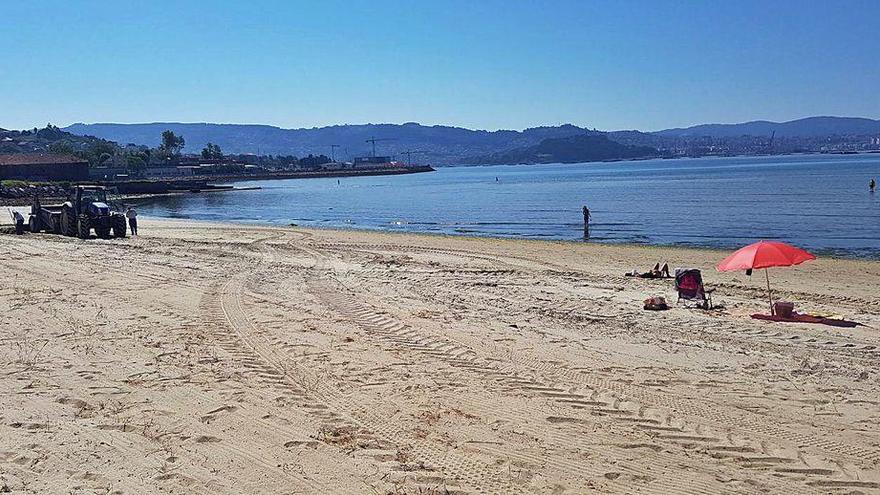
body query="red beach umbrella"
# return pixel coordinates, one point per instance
(764, 254)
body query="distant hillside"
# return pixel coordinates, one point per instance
(441, 145)
(808, 127)
(54, 140)
(444, 145)
(589, 147)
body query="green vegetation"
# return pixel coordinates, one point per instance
(212, 151)
(172, 143)
(136, 161)
(590, 147)
(24, 183)
(63, 147)
(98, 152)
(17, 183)
(53, 140)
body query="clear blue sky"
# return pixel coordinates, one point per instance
(481, 64)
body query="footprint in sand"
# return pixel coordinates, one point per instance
(206, 439)
(212, 415)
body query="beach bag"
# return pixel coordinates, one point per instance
(656, 303)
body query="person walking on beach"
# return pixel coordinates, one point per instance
(872, 185)
(131, 215)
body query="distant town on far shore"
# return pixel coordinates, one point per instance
(125, 152)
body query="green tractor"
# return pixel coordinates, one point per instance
(86, 209)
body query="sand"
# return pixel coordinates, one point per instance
(210, 358)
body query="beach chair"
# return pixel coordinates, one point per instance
(689, 285)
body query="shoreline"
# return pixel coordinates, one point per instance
(206, 182)
(353, 228)
(316, 174)
(710, 255)
(174, 185)
(674, 250)
(135, 200)
(674, 158)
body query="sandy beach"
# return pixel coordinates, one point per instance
(212, 358)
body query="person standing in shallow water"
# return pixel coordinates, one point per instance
(587, 217)
(131, 214)
(872, 185)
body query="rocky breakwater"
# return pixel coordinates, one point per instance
(14, 193)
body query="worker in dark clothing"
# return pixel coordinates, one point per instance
(131, 214)
(19, 222)
(586, 222)
(872, 185)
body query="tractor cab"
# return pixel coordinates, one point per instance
(90, 200)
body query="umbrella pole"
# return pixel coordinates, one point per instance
(769, 294)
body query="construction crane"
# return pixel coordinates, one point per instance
(373, 140)
(333, 152)
(409, 154)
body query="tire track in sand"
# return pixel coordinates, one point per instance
(469, 471)
(746, 421)
(455, 353)
(397, 334)
(662, 428)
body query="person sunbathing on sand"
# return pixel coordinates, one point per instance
(656, 272)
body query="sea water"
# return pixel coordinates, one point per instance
(819, 202)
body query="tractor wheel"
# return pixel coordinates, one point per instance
(83, 227)
(119, 226)
(33, 224)
(68, 223)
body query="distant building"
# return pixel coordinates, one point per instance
(108, 173)
(43, 167)
(166, 171)
(374, 162)
(194, 161)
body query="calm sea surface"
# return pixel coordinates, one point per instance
(820, 202)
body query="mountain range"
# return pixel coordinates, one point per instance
(446, 145)
(441, 145)
(808, 127)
